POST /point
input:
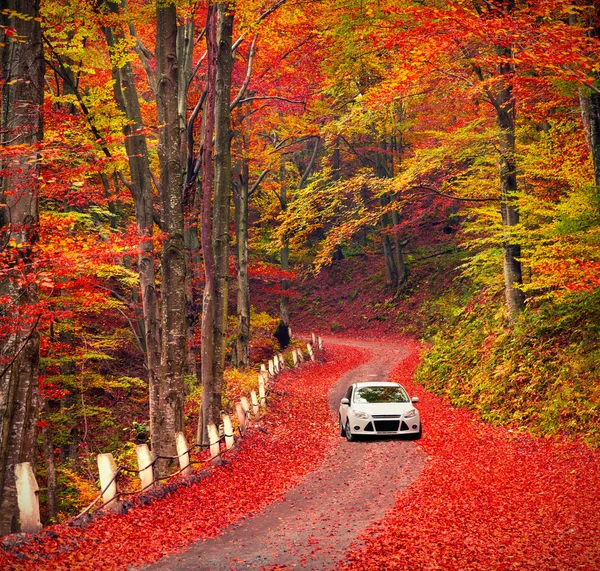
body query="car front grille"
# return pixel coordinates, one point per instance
(387, 416)
(387, 425)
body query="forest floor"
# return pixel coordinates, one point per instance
(467, 496)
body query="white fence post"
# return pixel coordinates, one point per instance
(255, 406)
(144, 459)
(312, 336)
(271, 368)
(214, 441)
(310, 351)
(300, 355)
(246, 407)
(281, 361)
(239, 410)
(320, 343)
(107, 469)
(27, 498)
(263, 369)
(183, 451)
(228, 431)
(295, 358)
(261, 391)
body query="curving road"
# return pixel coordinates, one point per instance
(317, 521)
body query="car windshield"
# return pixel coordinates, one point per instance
(380, 394)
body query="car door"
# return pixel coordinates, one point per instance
(344, 407)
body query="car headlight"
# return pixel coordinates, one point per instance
(360, 414)
(411, 413)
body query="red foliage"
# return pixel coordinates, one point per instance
(294, 439)
(489, 498)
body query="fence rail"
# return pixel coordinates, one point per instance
(222, 439)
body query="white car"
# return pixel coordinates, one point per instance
(378, 409)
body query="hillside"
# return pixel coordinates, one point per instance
(540, 374)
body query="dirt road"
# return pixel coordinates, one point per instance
(317, 521)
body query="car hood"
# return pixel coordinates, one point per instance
(384, 408)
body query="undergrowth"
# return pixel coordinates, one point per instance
(541, 374)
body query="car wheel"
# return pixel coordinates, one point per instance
(349, 436)
(342, 429)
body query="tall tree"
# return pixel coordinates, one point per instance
(22, 126)
(166, 403)
(215, 211)
(140, 186)
(590, 96)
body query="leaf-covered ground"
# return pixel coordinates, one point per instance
(292, 440)
(490, 499)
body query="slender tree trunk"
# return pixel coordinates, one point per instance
(506, 114)
(185, 50)
(590, 113)
(399, 245)
(395, 147)
(391, 271)
(22, 124)
(590, 100)
(167, 418)
(68, 371)
(284, 255)
(208, 300)
(141, 189)
(243, 294)
(221, 207)
(50, 467)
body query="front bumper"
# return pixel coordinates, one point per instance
(384, 425)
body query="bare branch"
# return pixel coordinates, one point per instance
(244, 86)
(276, 97)
(462, 199)
(258, 181)
(311, 164)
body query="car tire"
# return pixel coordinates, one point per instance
(349, 436)
(342, 429)
(418, 435)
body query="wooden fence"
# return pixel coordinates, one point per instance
(221, 440)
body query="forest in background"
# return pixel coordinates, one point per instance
(157, 159)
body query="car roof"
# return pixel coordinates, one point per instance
(376, 384)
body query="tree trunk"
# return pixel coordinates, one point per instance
(590, 113)
(243, 294)
(401, 269)
(50, 467)
(22, 124)
(505, 107)
(141, 189)
(221, 204)
(68, 371)
(208, 299)
(590, 101)
(284, 255)
(215, 232)
(166, 411)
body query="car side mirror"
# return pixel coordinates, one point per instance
(345, 401)
(414, 400)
